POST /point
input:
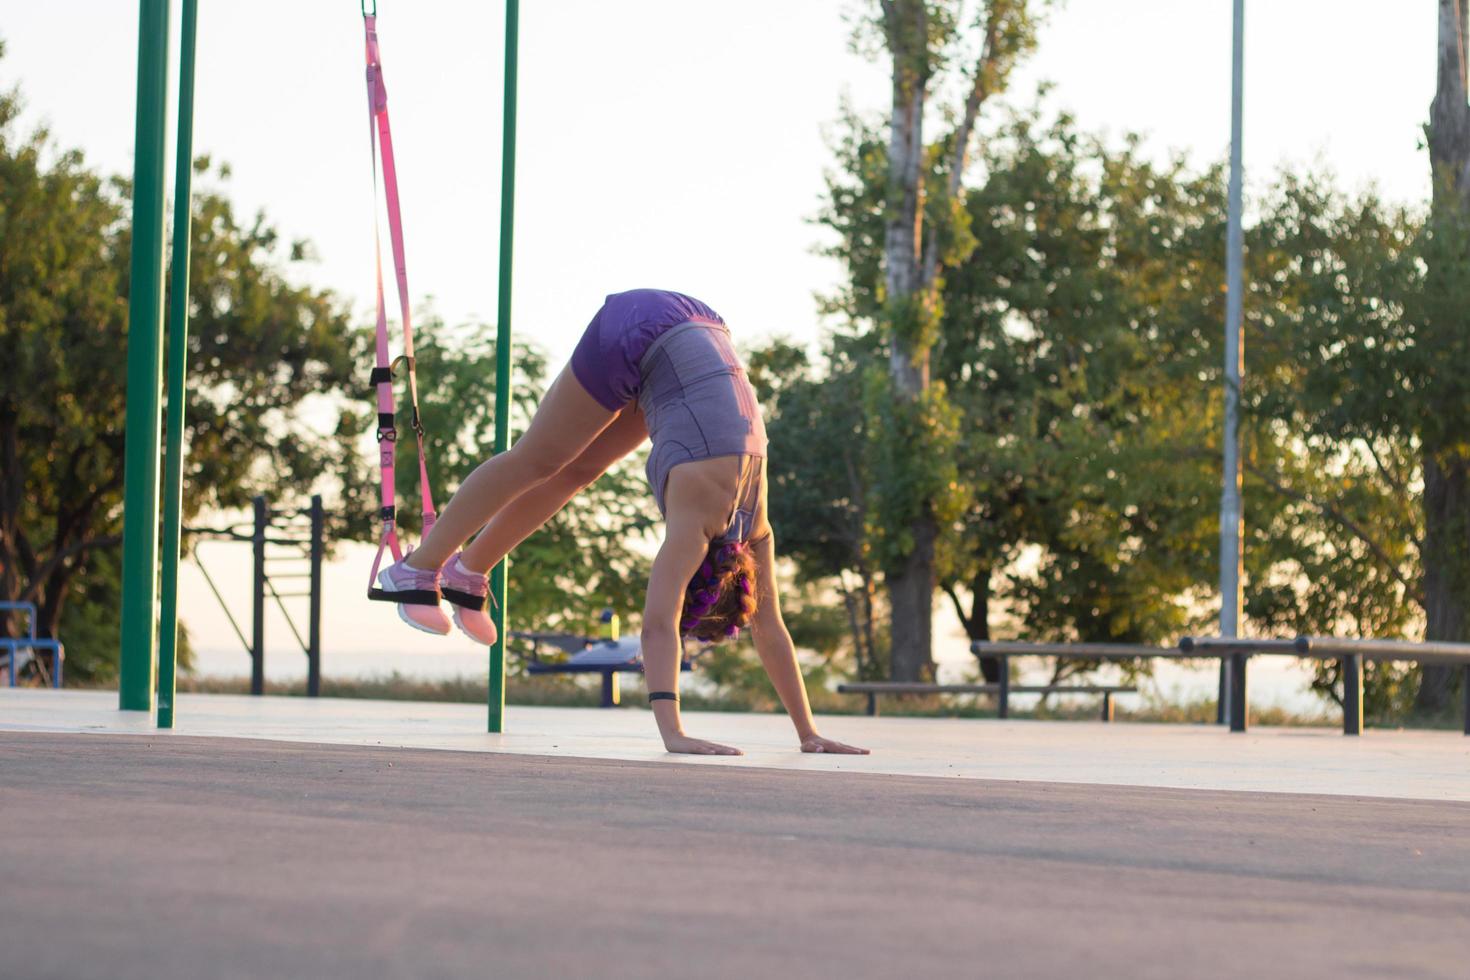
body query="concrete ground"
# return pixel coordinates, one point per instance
(189, 857)
(1410, 765)
(1048, 850)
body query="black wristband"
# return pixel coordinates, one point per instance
(662, 696)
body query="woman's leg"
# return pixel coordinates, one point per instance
(523, 516)
(566, 422)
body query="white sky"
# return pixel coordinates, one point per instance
(680, 143)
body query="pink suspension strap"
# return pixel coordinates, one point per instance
(379, 135)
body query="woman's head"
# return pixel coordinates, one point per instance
(721, 597)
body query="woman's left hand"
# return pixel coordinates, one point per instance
(816, 743)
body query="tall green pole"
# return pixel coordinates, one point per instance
(178, 363)
(145, 367)
(502, 348)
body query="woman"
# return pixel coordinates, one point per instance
(651, 364)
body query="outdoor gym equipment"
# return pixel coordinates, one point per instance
(11, 647)
(148, 640)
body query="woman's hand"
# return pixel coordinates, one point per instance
(816, 743)
(697, 746)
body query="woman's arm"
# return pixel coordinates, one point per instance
(778, 654)
(684, 547)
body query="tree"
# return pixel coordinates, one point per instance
(1445, 446)
(818, 479)
(911, 424)
(1079, 347)
(267, 360)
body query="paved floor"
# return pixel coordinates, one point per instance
(164, 857)
(1407, 765)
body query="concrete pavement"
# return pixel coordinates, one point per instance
(154, 856)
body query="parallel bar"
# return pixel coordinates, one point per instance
(1080, 651)
(145, 366)
(178, 365)
(257, 600)
(1352, 694)
(502, 350)
(314, 625)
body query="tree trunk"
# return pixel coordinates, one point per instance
(1446, 487)
(911, 581)
(911, 591)
(976, 621)
(1446, 543)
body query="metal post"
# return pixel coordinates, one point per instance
(1003, 700)
(611, 694)
(1239, 698)
(178, 363)
(1231, 517)
(1352, 694)
(502, 349)
(314, 627)
(145, 366)
(1465, 691)
(257, 602)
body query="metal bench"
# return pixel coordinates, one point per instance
(1235, 653)
(11, 659)
(1002, 690)
(1348, 652)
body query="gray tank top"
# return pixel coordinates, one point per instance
(698, 404)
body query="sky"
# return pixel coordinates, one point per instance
(680, 144)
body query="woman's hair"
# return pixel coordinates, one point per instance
(721, 597)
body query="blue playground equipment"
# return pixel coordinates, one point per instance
(607, 655)
(13, 661)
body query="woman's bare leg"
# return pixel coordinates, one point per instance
(526, 514)
(566, 422)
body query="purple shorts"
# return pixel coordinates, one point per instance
(609, 356)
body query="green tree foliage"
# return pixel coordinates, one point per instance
(935, 50)
(267, 356)
(1080, 346)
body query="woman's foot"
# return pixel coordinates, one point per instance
(420, 605)
(468, 594)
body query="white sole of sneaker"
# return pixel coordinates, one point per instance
(403, 615)
(460, 623)
(387, 586)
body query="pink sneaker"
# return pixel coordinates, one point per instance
(418, 605)
(468, 593)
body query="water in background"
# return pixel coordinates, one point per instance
(366, 639)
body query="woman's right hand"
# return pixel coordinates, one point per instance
(697, 746)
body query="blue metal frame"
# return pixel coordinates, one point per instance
(10, 648)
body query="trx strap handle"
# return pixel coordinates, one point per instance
(468, 600)
(380, 144)
(408, 597)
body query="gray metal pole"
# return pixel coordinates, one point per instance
(314, 634)
(1232, 523)
(257, 599)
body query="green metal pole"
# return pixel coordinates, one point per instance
(145, 366)
(178, 363)
(502, 348)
